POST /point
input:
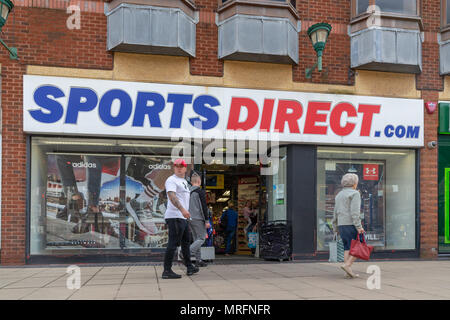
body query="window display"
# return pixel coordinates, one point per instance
(110, 199)
(146, 200)
(387, 188)
(82, 201)
(371, 188)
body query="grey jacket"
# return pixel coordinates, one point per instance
(347, 209)
(197, 204)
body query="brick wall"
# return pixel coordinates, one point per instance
(429, 184)
(430, 83)
(206, 63)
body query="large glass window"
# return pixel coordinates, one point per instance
(387, 188)
(109, 194)
(98, 194)
(446, 11)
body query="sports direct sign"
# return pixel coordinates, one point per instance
(72, 106)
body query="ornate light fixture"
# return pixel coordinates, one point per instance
(318, 33)
(5, 8)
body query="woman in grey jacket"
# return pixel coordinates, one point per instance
(346, 217)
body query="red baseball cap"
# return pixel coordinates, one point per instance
(180, 162)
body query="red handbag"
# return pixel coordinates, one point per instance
(360, 249)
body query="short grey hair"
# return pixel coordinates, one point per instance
(349, 180)
(196, 176)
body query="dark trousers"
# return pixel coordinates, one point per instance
(178, 235)
(230, 238)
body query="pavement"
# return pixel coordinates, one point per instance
(292, 280)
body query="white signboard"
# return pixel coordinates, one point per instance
(89, 107)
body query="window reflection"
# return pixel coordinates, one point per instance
(109, 199)
(387, 188)
(408, 7)
(361, 6)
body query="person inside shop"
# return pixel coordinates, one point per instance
(231, 218)
(199, 222)
(248, 212)
(346, 218)
(176, 216)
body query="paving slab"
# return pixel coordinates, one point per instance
(15, 294)
(49, 294)
(406, 280)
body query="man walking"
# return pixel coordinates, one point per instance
(176, 218)
(199, 218)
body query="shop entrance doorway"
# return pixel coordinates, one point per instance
(240, 188)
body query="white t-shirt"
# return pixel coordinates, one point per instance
(181, 188)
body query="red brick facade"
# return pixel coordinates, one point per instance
(38, 30)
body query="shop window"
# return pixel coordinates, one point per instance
(94, 195)
(388, 194)
(98, 194)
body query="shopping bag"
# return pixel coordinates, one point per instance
(336, 247)
(252, 239)
(360, 249)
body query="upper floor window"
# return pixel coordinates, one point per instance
(403, 7)
(445, 12)
(292, 2)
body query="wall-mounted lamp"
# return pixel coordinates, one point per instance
(318, 33)
(5, 8)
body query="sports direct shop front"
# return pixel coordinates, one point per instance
(101, 152)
